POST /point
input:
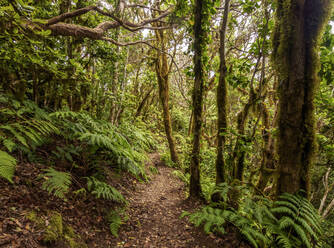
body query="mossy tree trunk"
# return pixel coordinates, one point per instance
(222, 99)
(267, 168)
(143, 102)
(195, 190)
(162, 70)
(298, 29)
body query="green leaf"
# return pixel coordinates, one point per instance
(7, 166)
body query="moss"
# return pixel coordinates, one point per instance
(33, 217)
(68, 230)
(54, 231)
(73, 239)
(73, 243)
(299, 25)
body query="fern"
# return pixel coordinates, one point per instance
(27, 126)
(222, 189)
(56, 182)
(299, 222)
(116, 218)
(212, 219)
(103, 190)
(116, 222)
(183, 177)
(289, 222)
(103, 138)
(7, 166)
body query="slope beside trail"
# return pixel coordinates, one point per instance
(154, 213)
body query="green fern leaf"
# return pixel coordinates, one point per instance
(56, 182)
(9, 144)
(301, 233)
(7, 166)
(103, 190)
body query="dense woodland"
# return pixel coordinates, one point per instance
(237, 97)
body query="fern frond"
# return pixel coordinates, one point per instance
(103, 190)
(303, 236)
(9, 144)
(307, 227)
(287, 204)
(115, 223)
(284, 210)
(283, 241)
(249, 237)
(56, 182)
(16, 134)
(7, 166)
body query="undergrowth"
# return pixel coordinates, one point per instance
(76, 146)
(289, 222)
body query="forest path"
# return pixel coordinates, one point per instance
(154, 213)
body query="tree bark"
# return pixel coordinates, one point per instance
(296, 39)
(328, 188)
(162, 70)
(142, 103)
(195, 190)
(222, 100)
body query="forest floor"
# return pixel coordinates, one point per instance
(154, 209)
(154, 216)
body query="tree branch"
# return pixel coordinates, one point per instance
(72, 14)
(58, 27)
(144, 7)
(128, 43)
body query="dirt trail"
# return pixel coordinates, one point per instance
(154, 215)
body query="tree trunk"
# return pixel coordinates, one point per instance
(114, 86)
(222, 100)
(299, 26)
(238, 151)
(268, 160)
(142, 103)
(195, 190)
(162, 70)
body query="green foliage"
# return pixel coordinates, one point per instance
(166, 158)
(115, 223)
(153, 170)
(123, 146)
(184, 177)
(56, 182)
(116, 218)
(290, 221)
(67, 152)
(298, 222)
(7, 166)
(103, 190)
(23, 125)
(327, 238)
(212, 219)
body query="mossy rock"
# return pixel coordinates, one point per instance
(54, 231)
(37, 220)
(73, 239)
(32, 216)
